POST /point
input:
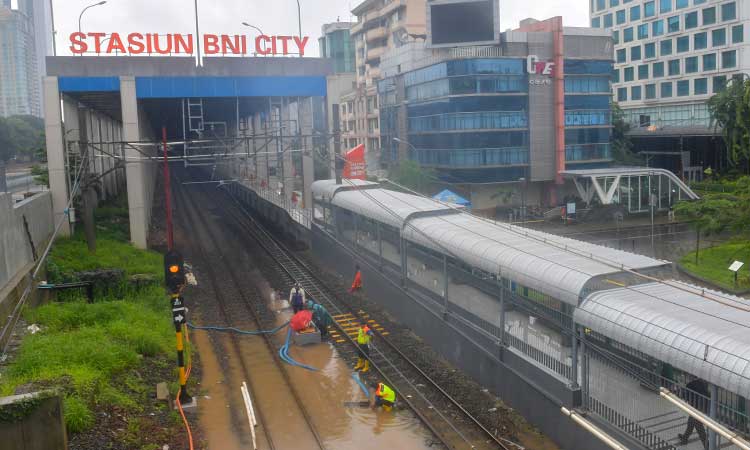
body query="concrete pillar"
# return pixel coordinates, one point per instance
(55, 152)
(308, 164)
(134, 168)
(261, 151)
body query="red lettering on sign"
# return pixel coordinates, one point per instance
(284, 40)
(157, 44)
(211, 44)
(78, 44)
(115, 44)
(135, 44)
(183, 46)
(97, 41)
(230, 44)
(301, 43)
(262, 49)
(149, 43)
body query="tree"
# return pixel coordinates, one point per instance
(712, 214)
(622, 146)
(718, 212)
(730, 111)
(413, 176)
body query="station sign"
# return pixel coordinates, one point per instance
(184, 44)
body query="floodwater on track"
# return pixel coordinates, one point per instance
(326, 392)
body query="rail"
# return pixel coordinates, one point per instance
(299, 271)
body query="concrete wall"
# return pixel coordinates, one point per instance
(41, 427)
(534, 394)
(15, 249)
(185, 66)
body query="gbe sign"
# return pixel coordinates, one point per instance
(540, 72)
(536, 67)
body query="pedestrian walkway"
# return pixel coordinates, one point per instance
(299, 215)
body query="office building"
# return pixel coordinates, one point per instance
(671, 56)
(494, 119)
(381, 25)
(335, 43)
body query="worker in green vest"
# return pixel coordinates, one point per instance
(363, 341)
(384, 396)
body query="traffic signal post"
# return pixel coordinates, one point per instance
(174, 276)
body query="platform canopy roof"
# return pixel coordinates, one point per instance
(702, 332)
(558, 267)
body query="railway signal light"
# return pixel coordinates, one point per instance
(174, 271)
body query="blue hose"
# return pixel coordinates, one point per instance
(284, 354)
(238, 331)
(355, 375)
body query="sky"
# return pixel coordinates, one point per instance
(274, 17)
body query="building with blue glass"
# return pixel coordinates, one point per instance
(506, 114)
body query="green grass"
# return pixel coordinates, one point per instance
(70, 255)
(89, 352)
(713, 264)
(83, 347)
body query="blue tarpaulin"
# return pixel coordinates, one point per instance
(448, 196)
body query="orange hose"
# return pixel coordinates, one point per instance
(179, 391)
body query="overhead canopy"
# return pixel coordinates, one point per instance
(558, 267)
(449, 196)
(553, 265)
(707, 336)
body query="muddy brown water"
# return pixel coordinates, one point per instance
(324, 392)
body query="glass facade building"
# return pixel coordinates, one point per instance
(336, 43)
(20, 77)
(689, 48)
(469, 118)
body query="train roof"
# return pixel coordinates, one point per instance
(699, 331)
(553, 265)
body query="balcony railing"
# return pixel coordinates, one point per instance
(486, 120)
(588, 152)
(473, 157)
(592, 117)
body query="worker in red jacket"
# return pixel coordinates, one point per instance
(357, 283)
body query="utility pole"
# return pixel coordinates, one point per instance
(197, 36)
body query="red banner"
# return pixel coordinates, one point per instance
(355, 167)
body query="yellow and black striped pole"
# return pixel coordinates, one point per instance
(179, 317)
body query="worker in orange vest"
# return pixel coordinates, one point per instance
(357, 283)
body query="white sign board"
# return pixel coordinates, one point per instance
(571, 208)
(736, 266)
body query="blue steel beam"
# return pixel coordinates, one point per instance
(182, 87)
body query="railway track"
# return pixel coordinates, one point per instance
(435, 407)
(228, 311)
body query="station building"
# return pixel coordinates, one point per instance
(260, 118)
(494, 112)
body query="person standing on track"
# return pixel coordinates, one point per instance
(297, 298)
(321, 318)
(363, 341)
(357, 283)
(384, 396)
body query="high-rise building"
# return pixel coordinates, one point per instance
(25, 40)
(336, 44)
(501, 122)
(381, 25)
(671, 56)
